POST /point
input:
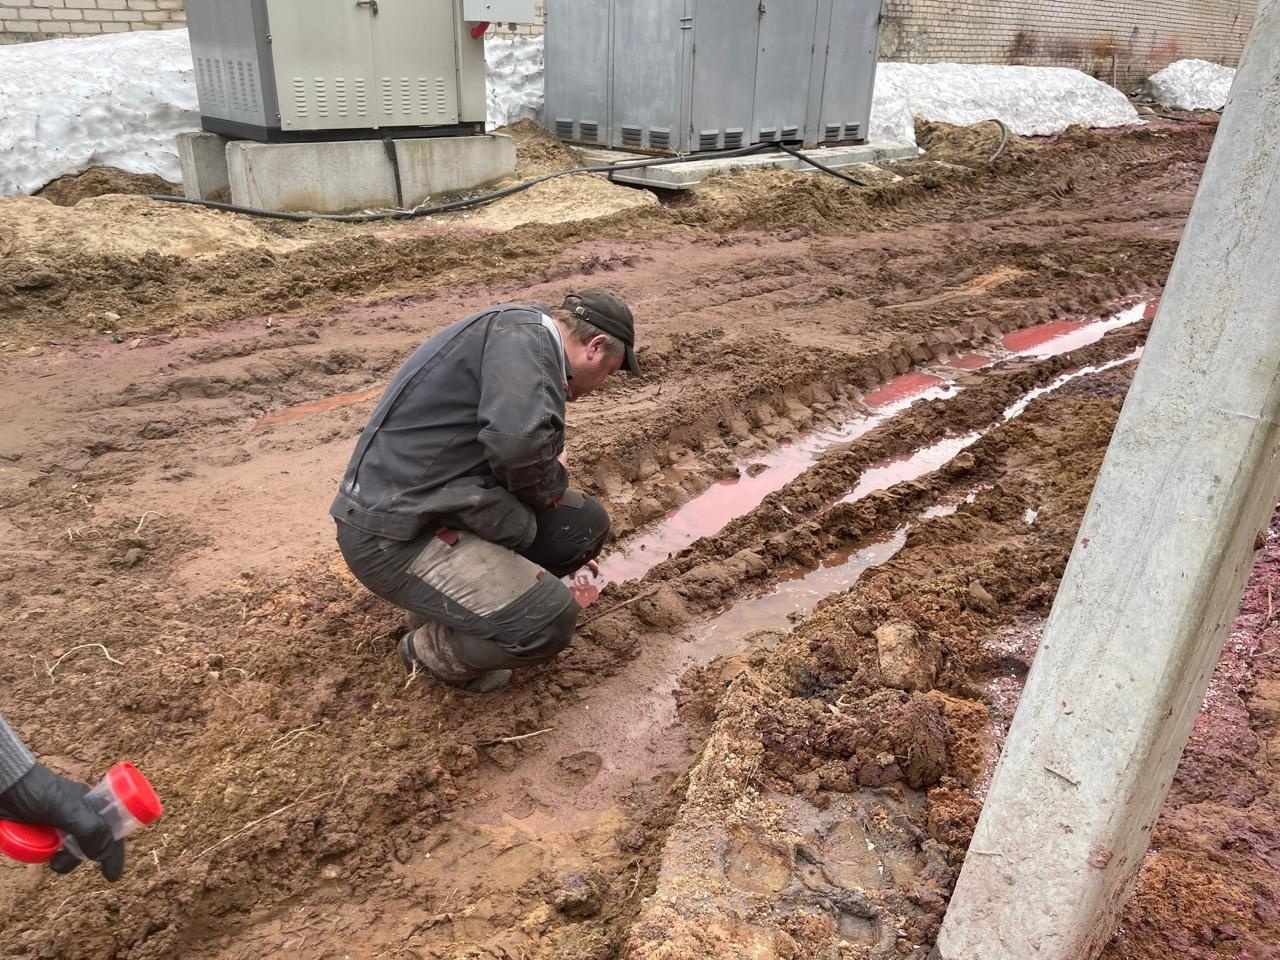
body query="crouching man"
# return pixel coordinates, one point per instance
(456, 503)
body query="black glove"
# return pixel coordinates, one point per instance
(42, 798)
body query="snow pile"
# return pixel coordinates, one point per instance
(514, 79)
(1033, 101)
(115, 100)
(1191, 85)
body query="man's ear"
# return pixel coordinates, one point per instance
(598, 344)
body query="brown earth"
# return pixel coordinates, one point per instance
(319, 805)
(100, 181)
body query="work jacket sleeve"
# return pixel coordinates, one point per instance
(521, 413)
(15, 758)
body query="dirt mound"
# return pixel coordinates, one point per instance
(164, 269)
(538, 151)
(99, 181)
(972, 145)
(563, 200)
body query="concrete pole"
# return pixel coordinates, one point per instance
(1154, 580)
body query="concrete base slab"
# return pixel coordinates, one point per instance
(685, 176)
(204, 164)
(340, 177)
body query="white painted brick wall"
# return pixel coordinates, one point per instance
(1121, 41)
(39, 19)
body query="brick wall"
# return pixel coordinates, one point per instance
(1120, 41)
(40, 19)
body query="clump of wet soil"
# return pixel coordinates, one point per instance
(99, 181)
(972, 146)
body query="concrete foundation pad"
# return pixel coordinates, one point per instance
(685, 176)
(339, 177)
(204, 164)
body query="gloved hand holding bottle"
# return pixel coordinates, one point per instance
(33, 795)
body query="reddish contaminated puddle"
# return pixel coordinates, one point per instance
(798, 594)
(726, 500)
(909, 386)
(300, 410)
(1063, 336)
(970, 361)
(883, 475)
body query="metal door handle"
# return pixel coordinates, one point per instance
(371, 4)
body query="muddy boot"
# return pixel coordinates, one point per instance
(428, 649)
(412, 621)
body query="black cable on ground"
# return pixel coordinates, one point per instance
(467, 202)
(1004, 139)
(821, 166)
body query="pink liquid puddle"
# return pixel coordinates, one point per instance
(800, 593)
(883, 475)
(1063, 336)
(726, 500)
(909, 386)
(970, 361)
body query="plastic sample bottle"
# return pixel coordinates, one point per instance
(124, 799)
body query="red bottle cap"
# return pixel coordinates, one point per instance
(27, 844)
(135, 793)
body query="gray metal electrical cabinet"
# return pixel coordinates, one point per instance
(331, 69)
(683, 76)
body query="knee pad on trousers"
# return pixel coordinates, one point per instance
(548, 641)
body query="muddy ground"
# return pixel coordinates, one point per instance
(183, 389)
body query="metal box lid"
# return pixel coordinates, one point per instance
(500, 11)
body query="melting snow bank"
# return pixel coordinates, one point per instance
(116, 100)
(1191, 85)
(514, 72)
(1032, 101)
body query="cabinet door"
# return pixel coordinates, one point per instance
(415, 63)
(648, 41)
(578, 40)
(852, 54)
(726, 37)
(323, 56)
(783, 68)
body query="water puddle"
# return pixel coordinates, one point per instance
(300, 410)
(726, 500)
(797, 594)
(970, 361)
(883, 475)
(930, 459)
(1063, 336)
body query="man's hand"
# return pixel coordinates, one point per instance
(42, 798)
(564, 459)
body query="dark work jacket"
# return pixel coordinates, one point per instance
(468, 434)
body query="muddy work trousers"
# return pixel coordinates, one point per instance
(494, 608)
